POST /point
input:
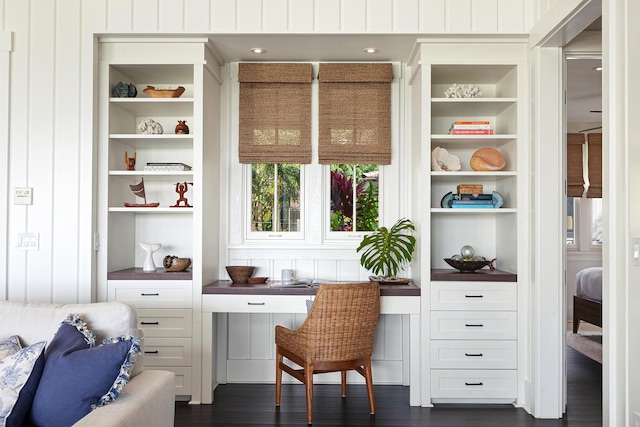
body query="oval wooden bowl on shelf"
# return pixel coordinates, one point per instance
(240, 273)
(164, 93)
(466, 266)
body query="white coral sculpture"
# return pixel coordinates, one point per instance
(441, 160)
(462, 91)
(150, 126)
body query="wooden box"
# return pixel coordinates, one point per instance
(469, 189)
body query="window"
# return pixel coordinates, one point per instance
(584, 223)
(349, 213)
(275, 197)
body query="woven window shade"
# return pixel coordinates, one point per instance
(354, 113)
(275, 113)
(575, 181)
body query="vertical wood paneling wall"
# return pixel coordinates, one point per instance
(48, 140)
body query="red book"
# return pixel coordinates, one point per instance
(472, 132)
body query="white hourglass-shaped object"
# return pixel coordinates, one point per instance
(150, 248)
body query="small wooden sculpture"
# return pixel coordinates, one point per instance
(130, 162)
(181, 189)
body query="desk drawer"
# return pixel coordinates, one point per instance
(473, 296)
(473, 354)
(165, 322)
(474, 384)
(152, 293)
(183, 379)
(473, 325)
(237, 303)
(167, 352)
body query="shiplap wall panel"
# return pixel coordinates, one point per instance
(327, 16)
(261, 336)
(380, 16)
(171, 16)
(511, 15)
(354, 14)
(300, 16)
(223, 15)
(276, 16)
(66, 148)
(249, 15)
(458, 16)
(197, 16)
(406, 16)
(145, 15)
(120, 15)
(432, 15)
(485, 16)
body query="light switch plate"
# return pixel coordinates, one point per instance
(28, 241)
(23, 196)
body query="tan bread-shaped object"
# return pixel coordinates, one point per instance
(487, 159)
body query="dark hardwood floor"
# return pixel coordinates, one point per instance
(253, 405)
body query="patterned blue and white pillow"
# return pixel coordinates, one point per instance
(16, 371)
(9, 346)
(80, 376)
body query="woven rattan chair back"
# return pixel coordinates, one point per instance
(337, 335)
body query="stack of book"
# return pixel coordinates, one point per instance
(465, 201)
(480, 127)
(167, 167)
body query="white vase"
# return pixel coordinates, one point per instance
(150, 248)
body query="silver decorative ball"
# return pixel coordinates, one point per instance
(467, 252)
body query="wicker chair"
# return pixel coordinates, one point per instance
(336, 336)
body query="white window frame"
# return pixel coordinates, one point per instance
(272, 235)
(583, 226)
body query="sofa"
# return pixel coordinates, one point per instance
(147, 399)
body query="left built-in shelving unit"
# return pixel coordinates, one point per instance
(168, 302)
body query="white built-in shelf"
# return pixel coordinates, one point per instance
(470, 106)
(159, 209)
(155, 106)
(479, 211)
(144, 141)
(455, 176)
(151, 173)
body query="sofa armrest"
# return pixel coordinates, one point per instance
(148, 399)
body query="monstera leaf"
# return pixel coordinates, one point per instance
(388, 251)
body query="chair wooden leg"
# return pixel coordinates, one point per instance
(278, 375)
(369, 380)
(344, 383)
(308, 382)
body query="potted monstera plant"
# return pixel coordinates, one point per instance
(387, 251)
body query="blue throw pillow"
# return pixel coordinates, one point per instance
(19, 375)
(79, 376)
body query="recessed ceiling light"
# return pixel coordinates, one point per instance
(599, 68)
(258, 50)
(370, 50)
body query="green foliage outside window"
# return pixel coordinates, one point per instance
(363, 180)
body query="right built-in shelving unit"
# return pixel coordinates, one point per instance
(473, 324)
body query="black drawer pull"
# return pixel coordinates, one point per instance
(150, 295)
(474, 296)
(149, 323)
(256, 303)
(473, 384)
(474, 354)
(151, 352)
(473, 325)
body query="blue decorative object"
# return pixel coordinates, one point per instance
(447, 200)
(498, 201)
(79, 376)
(124, 90)
(19, 375)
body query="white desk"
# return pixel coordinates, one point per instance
(225, 297)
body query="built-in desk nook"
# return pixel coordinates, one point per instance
(227, 297)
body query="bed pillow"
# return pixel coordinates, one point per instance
(19, 376)
(9, 346)
(79, 376)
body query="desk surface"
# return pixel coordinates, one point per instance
(228, 287)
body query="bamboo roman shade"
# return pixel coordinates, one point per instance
(275, 112)
(584, 160)
(354, 113)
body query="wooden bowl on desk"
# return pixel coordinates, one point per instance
(240, 273)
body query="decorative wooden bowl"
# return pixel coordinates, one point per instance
(467, 266)
(173, 263)
(164, 93)
(240, 273)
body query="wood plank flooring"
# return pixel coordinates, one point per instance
(253, 405)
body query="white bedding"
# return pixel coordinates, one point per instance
(589, 283)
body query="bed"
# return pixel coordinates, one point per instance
(587, 303)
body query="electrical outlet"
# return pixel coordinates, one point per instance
(23, 196)
(28, 241)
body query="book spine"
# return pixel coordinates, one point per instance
(472, 202)
(472, 127)
(472, 132)
(472, 122)
(455, 206)
(463, 197)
